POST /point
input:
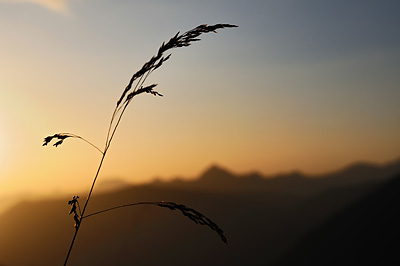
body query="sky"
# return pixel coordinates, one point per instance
(300, 85)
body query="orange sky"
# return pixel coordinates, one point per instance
(291, 88)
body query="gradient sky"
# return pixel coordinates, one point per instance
(308, 85)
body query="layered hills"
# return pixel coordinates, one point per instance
(364, 233)
(264, 219)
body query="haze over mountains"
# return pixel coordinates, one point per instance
(263, 218)
(219, 179)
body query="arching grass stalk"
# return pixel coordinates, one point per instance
(135, 87)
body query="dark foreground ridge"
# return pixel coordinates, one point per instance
(366, 233)
(263, 218)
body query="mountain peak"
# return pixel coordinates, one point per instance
(216, 174)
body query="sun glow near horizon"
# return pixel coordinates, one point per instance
(2, 151)
(5, 141)
(287, 90)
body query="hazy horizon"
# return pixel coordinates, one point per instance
(9, 200)
(278, 215)
(299, 85)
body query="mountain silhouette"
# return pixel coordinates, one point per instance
(263, 218)
(365, 233)
(218, 179)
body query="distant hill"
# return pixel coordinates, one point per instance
(217, 179)
(365, 233)
(110, 185)
(263, 218)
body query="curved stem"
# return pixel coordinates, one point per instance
(115, 128)
(121, 206)
(137, 84)
(177, 41)
(190, 213)
(88, 142)
(111, 122)
(94, 182)
(141, 82)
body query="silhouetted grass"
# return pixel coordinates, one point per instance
(135, 87)
(192, 214)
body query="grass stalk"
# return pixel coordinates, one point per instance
(131, 90)
(84, 207)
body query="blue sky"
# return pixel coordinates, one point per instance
(307, 85)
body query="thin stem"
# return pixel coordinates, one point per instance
(177, 41)
(109, 127)
(72, 244)
(79, 207)
(116, 126)
(137, 84)
(94, 146)
(84, 207)
(190, 213)
(116, 110)
(134, 89)
(141, 84)
(94, 182)
(120, 206)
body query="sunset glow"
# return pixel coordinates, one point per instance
(292, 88)
(2, 153)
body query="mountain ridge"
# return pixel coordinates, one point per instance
(216, 179)
(364, 233)
(262, 219)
